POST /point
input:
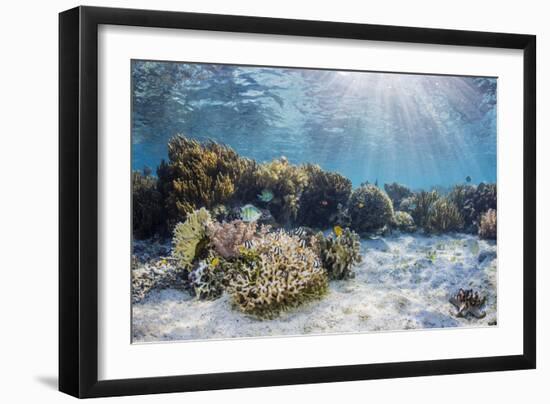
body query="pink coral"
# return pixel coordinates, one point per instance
(228, 237)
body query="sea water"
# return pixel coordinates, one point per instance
(420, 130)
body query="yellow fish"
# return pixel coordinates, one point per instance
(338, 231)
(361, 205)
(163, 261)
(215, 262)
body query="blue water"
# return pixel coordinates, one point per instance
(418, 130)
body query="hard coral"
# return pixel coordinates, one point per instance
(397, 192)
(421, 206)
(370, 209)
(339, 253)
(403, 221)
(147, 213)
(275, 275)
(190, 238)
(199, 175)
(320, 199)
(227, 238)
(286, 182)
(488, 225)
(443, 217)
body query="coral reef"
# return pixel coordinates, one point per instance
(190, 239)
(286, 182)
(147, 214)
(275, 274)
(207, 279)
(370, 209)
(320, 199)
(421, 206)
(403, 221)
(474, 201)
(443, 216)
(468, 302)
(228, 237)
(488, 225)
(338, 252)
(199, 175)
(397, 192)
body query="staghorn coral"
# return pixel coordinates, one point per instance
(370, 209)
(147, 213)
(338, 253)
(190, 238)
(199, 175)
(276, 274)
(403, 221)
(286, 182)
(422, 204)
(227, 238)
(320, 199)
(397, 192)
(488, 225)
(443, 217)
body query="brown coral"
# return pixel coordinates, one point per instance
(488, 225)
(228, 237)
(275, 275)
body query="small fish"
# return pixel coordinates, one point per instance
(303, 243)
(249, 244)
(360, 205)
(316, 264)
(215, 262)
(303, 258)
(277, 250)
(163, 261)
(468, 179)
(299, 231)
(338, 230)
(250, 213)
(324, 203)
(265, 196)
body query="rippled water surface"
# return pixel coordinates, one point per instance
(419, 130)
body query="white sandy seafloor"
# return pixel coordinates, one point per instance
(404, 282)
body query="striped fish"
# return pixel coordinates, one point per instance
(299, 232)
(249, 244)
(303, 243)
(277, 250)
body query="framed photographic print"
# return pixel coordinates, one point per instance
(251, 201)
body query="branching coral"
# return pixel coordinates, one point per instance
(397, 192)
(227, 238)
(422, 204)
(147, 213)
(338, 253)
(199, 175)
(275, 275)
(370, 209)
(190, 239)
(208, 279)
(286, 182)
(320, 199)
(443, 216)
(488, 225)
(474, 201)
(403, 221)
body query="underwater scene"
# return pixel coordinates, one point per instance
(276, 201)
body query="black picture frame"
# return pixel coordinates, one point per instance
(78, 201)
